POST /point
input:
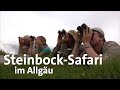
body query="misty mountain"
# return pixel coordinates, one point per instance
(12, 48)
(9, 48)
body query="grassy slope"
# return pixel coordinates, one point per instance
(109, 70)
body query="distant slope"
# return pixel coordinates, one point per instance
(10, 48)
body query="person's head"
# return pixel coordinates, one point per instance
(98, 36)
(24, 41)
(72, 37)
(40, 40)
(27, 40)
(21, 40)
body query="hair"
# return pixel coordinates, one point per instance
(43, 39)
(25, 42)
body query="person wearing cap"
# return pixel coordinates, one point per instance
(66, 44)
(95, 44)
(42, 49)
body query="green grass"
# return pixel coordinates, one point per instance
(109, 70)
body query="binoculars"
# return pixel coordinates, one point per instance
(32, 37)
(81, 28)
(61, 32)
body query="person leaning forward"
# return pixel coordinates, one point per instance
(66, 44)
(94, 44)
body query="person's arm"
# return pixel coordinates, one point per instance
(78, 47)
(41, 54)
(64, 51)
(61, 47)
(76, 50)
(90, 51)
(87, 35)
(57, 47)
(45, 51)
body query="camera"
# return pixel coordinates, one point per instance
(81, 28)
(61, 32)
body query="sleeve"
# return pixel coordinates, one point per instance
(62, 50)
(111, 50)
(54, 51)
(46, 50)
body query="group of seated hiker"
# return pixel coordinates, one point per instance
(32, 45)
(84, 40)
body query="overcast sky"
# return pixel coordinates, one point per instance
(47, 23)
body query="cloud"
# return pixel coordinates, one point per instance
(9, 48)
(47, 23)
